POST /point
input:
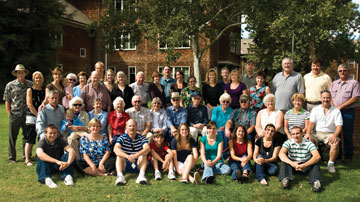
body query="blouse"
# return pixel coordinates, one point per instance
(235, 94)
(257, 96)
(154, 91)
(95, 149)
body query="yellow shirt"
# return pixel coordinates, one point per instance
(314, 84)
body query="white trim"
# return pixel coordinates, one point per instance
(129, 67)
(84, 51)
(121, 48)
(177, 48)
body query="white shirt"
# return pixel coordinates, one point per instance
(326, 123)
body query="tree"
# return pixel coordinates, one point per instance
(320, 28)
(202, 22)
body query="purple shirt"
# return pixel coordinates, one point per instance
(343, 91)
(89, 93)
(235, 94)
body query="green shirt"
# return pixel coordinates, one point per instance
(211, 150)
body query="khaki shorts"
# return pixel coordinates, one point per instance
(322, 137)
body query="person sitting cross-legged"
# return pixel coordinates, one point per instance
(299, 154)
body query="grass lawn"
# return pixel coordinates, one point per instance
(19, 183)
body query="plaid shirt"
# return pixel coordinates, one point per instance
(141, 117)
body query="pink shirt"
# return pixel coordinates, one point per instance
(89, 93)
(343, 91)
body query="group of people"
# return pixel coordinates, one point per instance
(103, 126)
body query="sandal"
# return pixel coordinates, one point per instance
(264, 182)
(185, 181)
(28, 163)
(245, 177)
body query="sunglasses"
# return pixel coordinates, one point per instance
(73, 80)
(175, 99)
(341, 71)
(324, 91)
(243, 101)
(137, 101)
(226, 102)
(77, 105)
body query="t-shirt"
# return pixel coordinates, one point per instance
(129, 146)
(240, 149)
(55, 150)
(182, 154)
(266, 152)
(296, 119)
(162, 150)
(299, 152)
(211, 150)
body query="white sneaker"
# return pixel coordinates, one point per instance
(171, 175)
(69, 180)
(141, 179)
(157, 175)
(331, 168)
(50, 183)
(120, 180)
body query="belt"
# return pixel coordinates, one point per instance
(314, 103)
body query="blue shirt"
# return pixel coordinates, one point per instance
(197, 115)
(74, 122)
(77, 91)
(129, 146)
(47, 116)
(175, 118)
(221, 117)
(167, 84)
(211, 150)
(103, 117)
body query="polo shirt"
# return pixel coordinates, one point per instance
(141, 90)
(296, 119)
(299, 151)
(167, 84)
(314, 84)
(55, 150)
(343, 91)
(129, 146)
(326, 123)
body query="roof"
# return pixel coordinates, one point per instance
(75, 15)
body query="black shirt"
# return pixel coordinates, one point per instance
(212, 94)
(55, 150)
(266, 152)
(182, 154)
(126, 95)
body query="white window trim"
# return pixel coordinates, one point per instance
(83, 56)
(122, 48)
(177, 48)
(173, 70)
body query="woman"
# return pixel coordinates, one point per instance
(100, 114)
(179, 84)
(265, 154)
(158, 117)
(35, 96)
(82, 82)
(117, 120)
(270, 115)
(221, 113)
(156, 89)
(235, 88)
(109, 79)
(258, 92)
(122, 89)
(186, 92)
(211, 147)
(211, 90)
(240, 154)
(72, 80)
(296, 116)
(56, 84)
(94, 150)
(185, 154)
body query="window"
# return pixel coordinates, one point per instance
(59, 40)
(83, 52)
(235, 43)
(125, 43)
(131, 74)
(121, 4)
(182, 45)
(185, 69)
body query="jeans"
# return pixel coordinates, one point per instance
(235, 165)
(226, 151)
(219, 168)
(314, 172)
(348, 116)
(45, 169)
(261, 170)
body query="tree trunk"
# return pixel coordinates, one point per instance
(197, 61)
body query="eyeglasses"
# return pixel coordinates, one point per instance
(225, 102)
(197, 98)
(243, 101)
(77, 105)
(72, 80)
(341, 71)
(137, 101)
(156, 103)
(175, 99)
(324, 91)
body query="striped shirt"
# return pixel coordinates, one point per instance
(299, 152)
(296, 119)
(129, 146)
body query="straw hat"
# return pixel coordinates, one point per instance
(19, 67)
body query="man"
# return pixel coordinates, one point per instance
(52, 159)
(315, 82)
(224, 77)
(176, 115)
(95, 90)
(167, 81)
(248, 77)
(99, 67)
(301, 155)
(328, 122)
(285, 84)
(197, 116)
(142, 117)
(131, 150)
(15, 104)
(345, 93)
(140, 88)
(53, 113)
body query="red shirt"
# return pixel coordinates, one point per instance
(118, 124)
(162, 150)
(240, 149)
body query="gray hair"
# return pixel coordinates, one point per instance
(156, 99)
(75, 99)
(52, 92)
(343, 66)
(282, 62)
(122, 74)
(225, 96)
(72, 76)
(269, 97)
(117, 100)
(134, 97)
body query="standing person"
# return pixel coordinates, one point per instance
(315, 81)
(99, 67)
(56, 84)
(15, 104)
(109, 80)
(72, 80)
(186, 92)
(285, 84)
(82, 82)
(248, 77)
(35, 96)
(180, 83)
(224, 77)
(156, 89)
(345, 93)
(258, 92)
(235, 88)
(122, 89)
(141, 88)
(166, 81)
(211, 90)
(52, 159)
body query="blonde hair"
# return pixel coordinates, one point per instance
(38, 73)
(212, 70)
(105, 77)
(269, 97)
(298, 96)
(93, 122)
(122, 74)
(235, 72)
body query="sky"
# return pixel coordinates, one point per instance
(246, 34)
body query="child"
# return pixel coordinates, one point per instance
(69, 124)
(68, 87)
(161, 156)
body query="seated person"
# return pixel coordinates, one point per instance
(131, 150)
(52, 159)
(117, 120)
(211, 147)
(327, 121)
(197, 116)
(158, 117)
(176, 115)
(299, 154)
(265, 154)
(100, 114)
(185, 154)
(240, 154)
(69, 121)
(161, 156)
(94, 150)
(222, 112)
